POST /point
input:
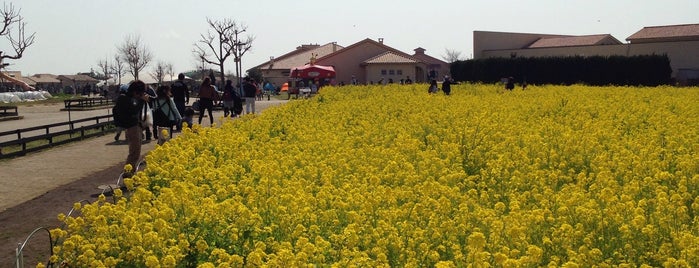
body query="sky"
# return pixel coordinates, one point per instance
(74, 35)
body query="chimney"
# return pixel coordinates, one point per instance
(380, 40)
(334, 46)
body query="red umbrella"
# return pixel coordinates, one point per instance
(312, 71)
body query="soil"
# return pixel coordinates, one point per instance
(19, 221)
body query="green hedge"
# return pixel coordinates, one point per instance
(646, 70)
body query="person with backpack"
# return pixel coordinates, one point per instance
(122, 92)
(165, 114)
(130, 114)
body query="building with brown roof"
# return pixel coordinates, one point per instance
(571, 41)
(77, 84)
(367, 60)
(48, 82)
(679, 42)
(438, 68)
(390, 66)
(6, 85)
(277, 69)
(670, 33)
(370, 61)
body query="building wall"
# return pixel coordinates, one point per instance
(276, 76)
(682, 55)
(349, 62)
(400, 71)
(483, 41)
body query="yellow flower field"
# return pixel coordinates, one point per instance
(389, 176)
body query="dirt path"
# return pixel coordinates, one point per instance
(35, 188)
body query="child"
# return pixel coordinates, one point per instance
(188, 116)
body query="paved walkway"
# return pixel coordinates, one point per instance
(27, 177)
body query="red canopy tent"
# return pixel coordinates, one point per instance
(310, 71)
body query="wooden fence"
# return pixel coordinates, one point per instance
(87, 103)
(53, 134)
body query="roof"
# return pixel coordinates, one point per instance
(300, 56)
(79, 78)
(364, 42)
(27, 80)
(683, 32)
(390, 57)
(44, 78)
(421, 56)
(569, 41)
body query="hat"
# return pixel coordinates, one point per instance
(123, 88)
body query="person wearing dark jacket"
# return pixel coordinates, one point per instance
(131, 109)
(250, 91)
(180, 94)
(446, 85)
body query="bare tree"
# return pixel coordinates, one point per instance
(241, 46)
(159, 72)
(170, 70)
(105, 67)
(200, 66)
(20, 41)
(117, 68)
(222, 43)
(451, 55)
(135, 54)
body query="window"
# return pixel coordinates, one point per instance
(383, 72)
(391, 72)
(399, 72)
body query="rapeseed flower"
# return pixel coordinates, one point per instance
(569, 176)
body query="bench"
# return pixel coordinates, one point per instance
(87, 103)
(9, 113)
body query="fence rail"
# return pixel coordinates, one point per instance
(86, 103)
(30, 143)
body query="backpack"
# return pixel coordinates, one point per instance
(159, 117)
(120, 112)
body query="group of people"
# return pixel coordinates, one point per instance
(446, 85)
(138, 108)
(231, 99)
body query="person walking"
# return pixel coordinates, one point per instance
(180, 95)
(130, 114)
(165, 114)
(122, 92)
(250, 91)
(207, 95)
(228, 93)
